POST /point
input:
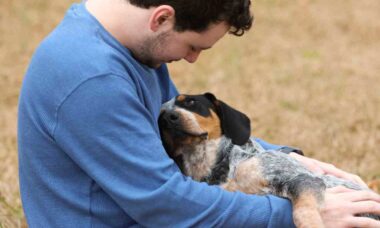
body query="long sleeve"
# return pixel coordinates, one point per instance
(283, 149)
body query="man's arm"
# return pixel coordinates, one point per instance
(284, 149)
(104, 127)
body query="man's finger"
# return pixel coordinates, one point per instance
(331, 169)
(359, 180)
(356, 196)
(354, 178)
(363, 207)
(363, 222)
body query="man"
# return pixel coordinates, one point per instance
(90, 153)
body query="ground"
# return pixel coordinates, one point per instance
(307, 74)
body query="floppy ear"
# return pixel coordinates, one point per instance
(235, 125)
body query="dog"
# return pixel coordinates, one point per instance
(211, 142)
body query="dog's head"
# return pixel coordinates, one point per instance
(188, 120)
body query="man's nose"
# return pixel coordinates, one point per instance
(192, 56)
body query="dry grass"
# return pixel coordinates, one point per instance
(307, 75)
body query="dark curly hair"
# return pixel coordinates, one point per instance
(197, 15)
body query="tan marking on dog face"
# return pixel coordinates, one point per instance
(189, 122)
(210, 124)
(181, 98)
(248, 178)
(306, 211)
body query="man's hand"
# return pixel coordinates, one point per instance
(325, 168)
(342, 204)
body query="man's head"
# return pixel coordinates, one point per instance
(169, 45)
(198, 15)
(162, 31)
(196, 25)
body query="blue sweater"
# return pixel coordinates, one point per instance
(90, 153)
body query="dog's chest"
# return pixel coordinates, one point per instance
(199, 159)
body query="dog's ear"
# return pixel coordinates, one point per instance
(235, 125)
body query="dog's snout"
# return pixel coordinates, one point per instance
(171, 117)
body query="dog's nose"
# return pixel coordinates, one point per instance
(171, 117)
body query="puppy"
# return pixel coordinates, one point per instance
(211, 142)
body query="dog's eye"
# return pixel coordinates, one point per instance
(189, 102)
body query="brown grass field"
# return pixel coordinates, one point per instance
(307, 74)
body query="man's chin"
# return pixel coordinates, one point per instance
(155, 65)
(150, 64)
(158, 64)
(147, 62)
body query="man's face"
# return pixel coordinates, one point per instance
(168, 46)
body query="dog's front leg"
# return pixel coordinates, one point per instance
(307, 195)
(306, 211)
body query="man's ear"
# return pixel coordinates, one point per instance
(162, 16)
(235, 125)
